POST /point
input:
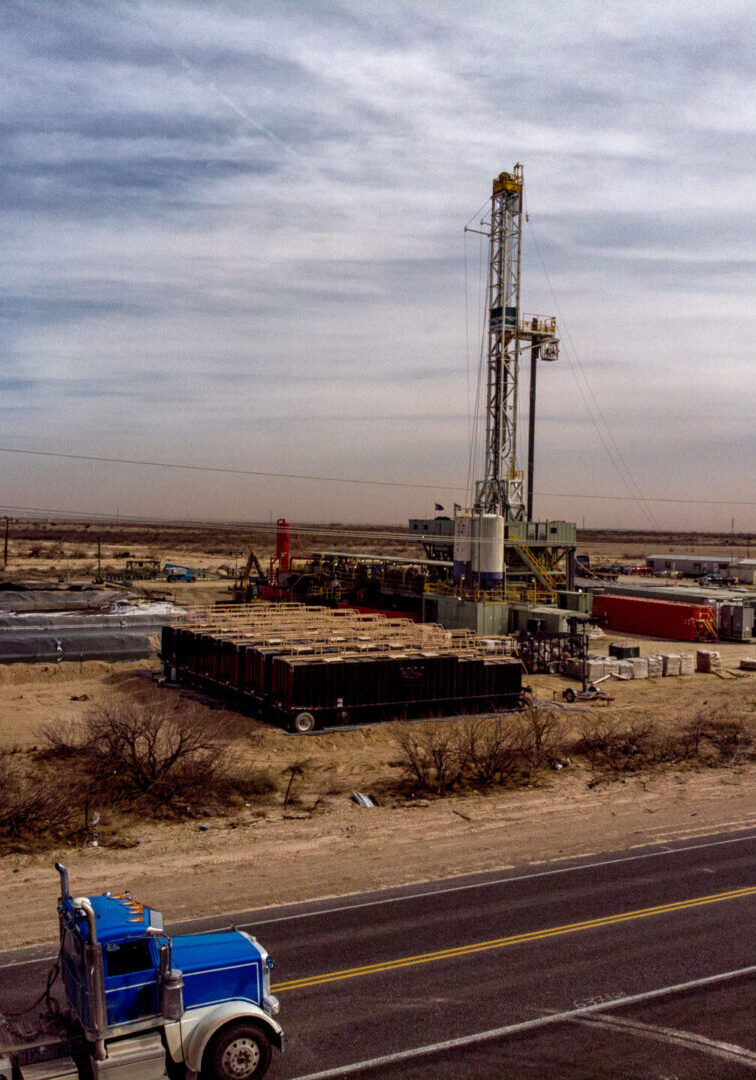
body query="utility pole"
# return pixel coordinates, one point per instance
(5, 549)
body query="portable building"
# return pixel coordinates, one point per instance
(691, 565)
(656, 618)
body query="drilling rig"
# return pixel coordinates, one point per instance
(500, 552)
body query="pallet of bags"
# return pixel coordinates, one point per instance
(687, 663)
(708, 660)
(611, 665)
(671, 664)
(639, 665)
(625, 670)
(748, 664)
(594, 669)
(655, 666)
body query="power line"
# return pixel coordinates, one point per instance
(594, 411)
(235, 472)
(353, 480)
(361, 534)
(379, 532)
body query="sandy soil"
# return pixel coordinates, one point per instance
(32, 695)
(329, 846)
(237, 865)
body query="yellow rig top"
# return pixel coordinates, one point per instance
(508, 181)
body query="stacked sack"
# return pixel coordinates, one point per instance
(639, 665)
(708, 660)
(635, 667)
(655, 666)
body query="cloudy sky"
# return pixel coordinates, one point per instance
(232, 237)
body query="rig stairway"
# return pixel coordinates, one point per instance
(540, 567)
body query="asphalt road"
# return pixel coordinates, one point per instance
(621, 966)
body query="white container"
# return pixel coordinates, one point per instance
(488, 548)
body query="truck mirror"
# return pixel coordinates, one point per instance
(165, 959)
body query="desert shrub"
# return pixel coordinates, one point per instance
(708, 738)
(432, 756)
(491, 750)
(253, 782)
(717, 738)
(150, 751)
(155, 756)
(480, 753)
(60, 738)
(30, 802)
(540, 735)
(618, 746)
(158, 753)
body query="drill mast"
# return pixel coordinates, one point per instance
(501, 492)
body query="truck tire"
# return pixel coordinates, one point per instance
(240, 1051)
(302, 723)
(569, 694)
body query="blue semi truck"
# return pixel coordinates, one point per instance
(143, 1005)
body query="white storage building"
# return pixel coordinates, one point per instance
(698, 565)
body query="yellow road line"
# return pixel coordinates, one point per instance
(516, 939)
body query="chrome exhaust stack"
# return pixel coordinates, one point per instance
(65, 892)
(98, 1016)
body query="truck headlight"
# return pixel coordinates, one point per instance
(271, 1005)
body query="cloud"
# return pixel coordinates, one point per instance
(234, 234)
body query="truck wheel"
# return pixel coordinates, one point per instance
(239, 1052)
(569, 694)
(302, 723)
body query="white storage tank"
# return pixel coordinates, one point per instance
(462, 544)
(488, 549)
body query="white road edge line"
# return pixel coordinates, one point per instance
(525, 1025)
(501, 881)
(432, 892)
(688, 1039)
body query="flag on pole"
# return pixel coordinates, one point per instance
(439, 506)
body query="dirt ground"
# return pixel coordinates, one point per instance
(326, 845)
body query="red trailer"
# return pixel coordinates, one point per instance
(656, 618)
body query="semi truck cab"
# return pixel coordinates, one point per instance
(145, 1005)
